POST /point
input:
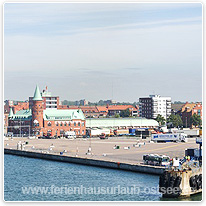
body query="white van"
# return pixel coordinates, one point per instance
(70, 134)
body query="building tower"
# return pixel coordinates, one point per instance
(37, 113)
(11, 114)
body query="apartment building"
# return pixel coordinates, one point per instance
(153, 105)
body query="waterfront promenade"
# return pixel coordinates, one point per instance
(130, 150)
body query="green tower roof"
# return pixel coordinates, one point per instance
(37, 94)
(11, 112)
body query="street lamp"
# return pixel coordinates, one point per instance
(20, 127)
(141, 120)
(141, 128)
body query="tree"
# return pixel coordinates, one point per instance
(125, 113)
(160, 119)
(175, 120)
(196, 120)
(117, 116)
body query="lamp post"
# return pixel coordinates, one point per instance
(141, 128)
(141, 120)
(20, 127)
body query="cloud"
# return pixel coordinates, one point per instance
(69, 19)
(83, 48)
(144, 25)
(104, 51)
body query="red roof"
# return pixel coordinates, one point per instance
(102, 108)
(88, 108)
(121, 107)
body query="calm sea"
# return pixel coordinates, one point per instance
(27, 179)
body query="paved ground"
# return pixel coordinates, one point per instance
(103, 149)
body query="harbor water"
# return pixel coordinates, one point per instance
(28, 179)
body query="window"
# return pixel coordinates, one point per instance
(49, 124)
(61, 124)
(65, 124)
(79, 124)
(75, 124)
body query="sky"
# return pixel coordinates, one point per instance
(94, 51)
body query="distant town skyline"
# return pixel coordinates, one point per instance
(103, 51)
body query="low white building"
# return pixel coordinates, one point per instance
(121, 123)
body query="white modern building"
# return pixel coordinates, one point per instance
(153, 105)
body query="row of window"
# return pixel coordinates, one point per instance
(145, 100)
(61, 124)
(51, 98)
(89, 111)
(62, 132)
(51, 106)
(67, 124)
(54, 102)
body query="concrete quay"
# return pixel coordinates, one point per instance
(88, 161)
(102, 154)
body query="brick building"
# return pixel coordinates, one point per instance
(187, 110)
(40, 120)
(103, 111)
(89, 111)
(116, 109)
(19, 123)
(21, 105)
(15, 106)
(175, 108)
(6, 114)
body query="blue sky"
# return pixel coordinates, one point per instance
(84, 50)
